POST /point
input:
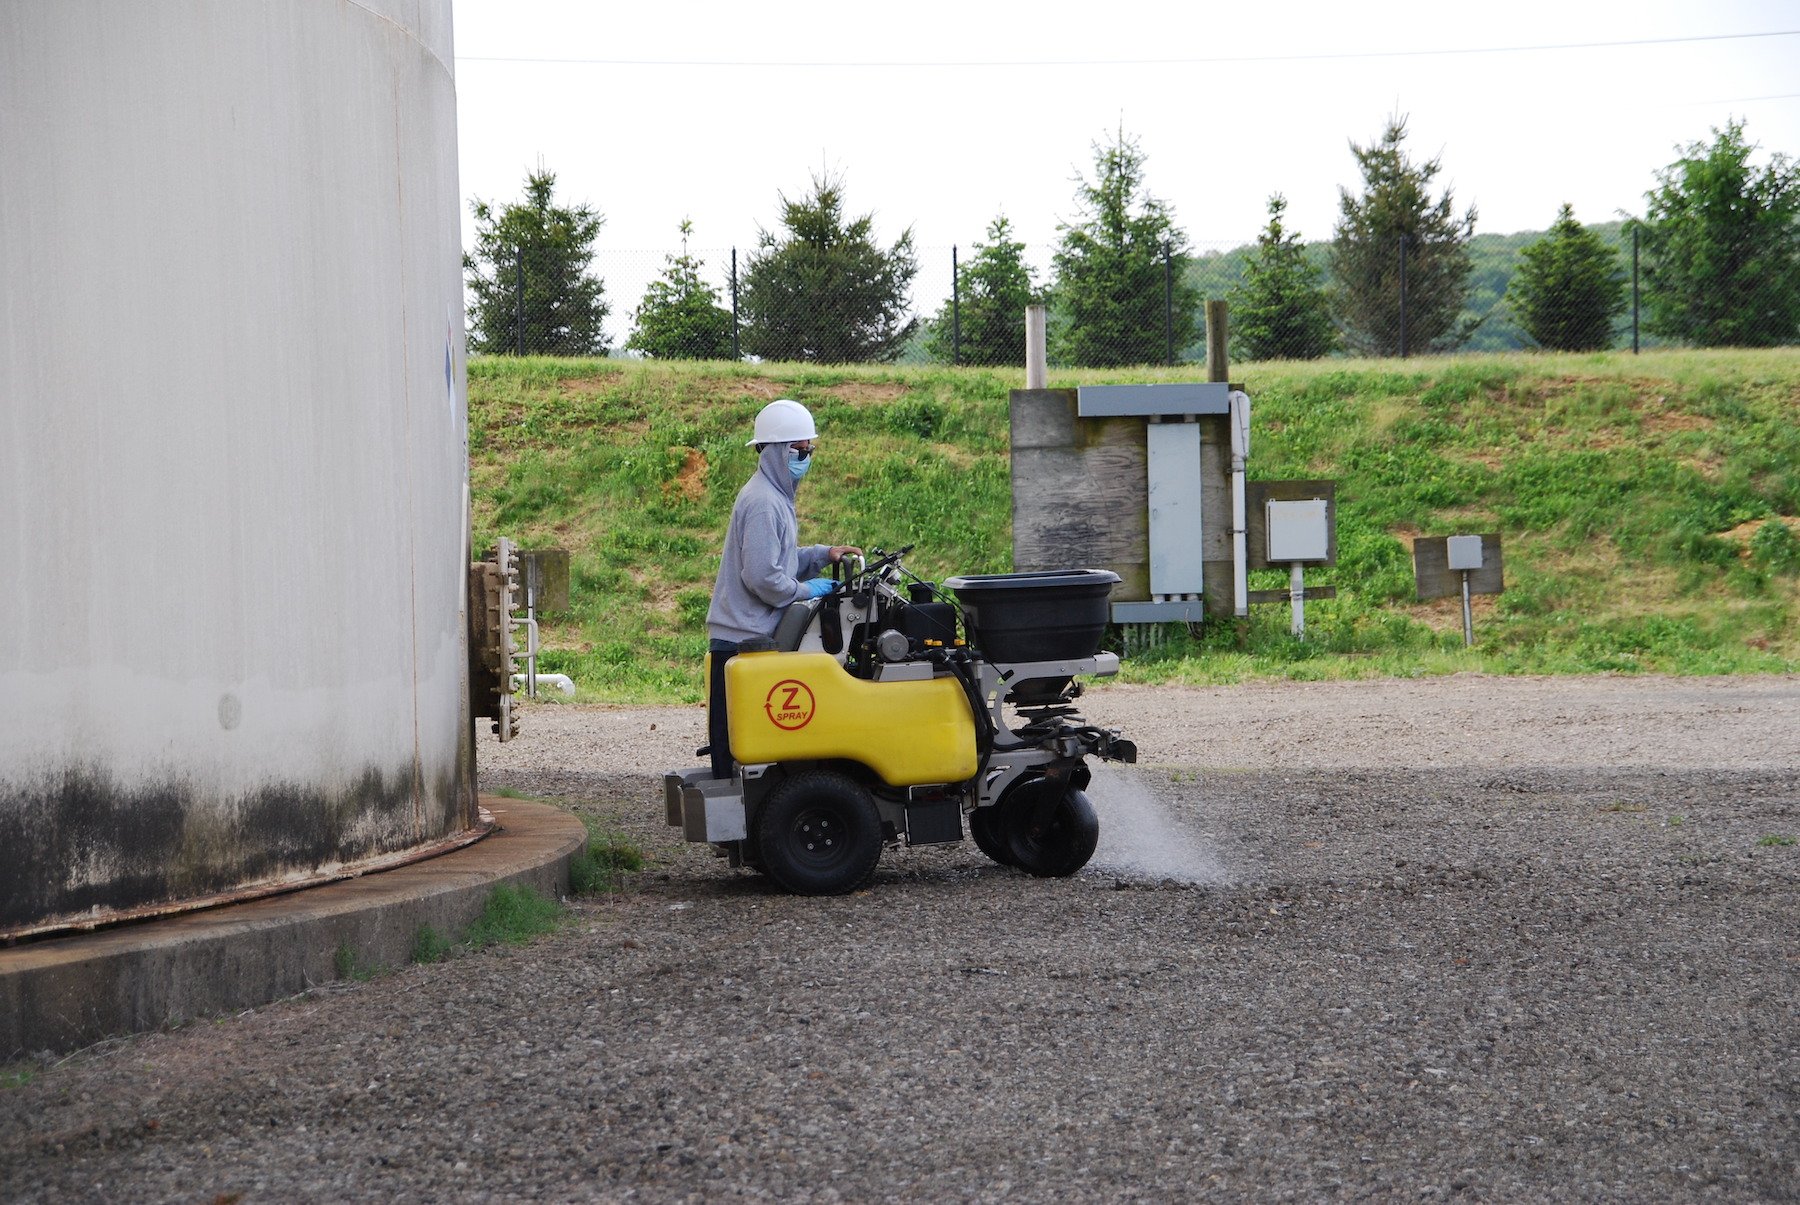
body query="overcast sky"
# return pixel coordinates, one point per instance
(939, 116)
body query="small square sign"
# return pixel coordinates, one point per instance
(1464, 552)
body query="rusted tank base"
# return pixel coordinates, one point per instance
(102, 919)
(60, 993)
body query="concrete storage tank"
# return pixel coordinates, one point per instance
(233, 463)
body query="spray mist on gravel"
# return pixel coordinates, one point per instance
(1141, 837)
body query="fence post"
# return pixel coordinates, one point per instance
(1634, 289)
(955, 309)
(519, 302)
(1037, 360)
(735, 353)
(1403, 295)
(1168, 306)
(1217, 339)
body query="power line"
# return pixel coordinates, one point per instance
(792, 65)
(1737, 100)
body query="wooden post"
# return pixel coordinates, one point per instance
(1216, 367)
(1037, 359)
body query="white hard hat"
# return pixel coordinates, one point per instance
(784, 421)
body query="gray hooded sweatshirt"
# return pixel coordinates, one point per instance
(762, 565)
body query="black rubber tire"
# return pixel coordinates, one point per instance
(818, 833)
(984, 826)
(1056, 849)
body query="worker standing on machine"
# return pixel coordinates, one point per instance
(763, 569)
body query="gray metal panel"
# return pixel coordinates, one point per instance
(1299, 529)
(1188, 611)
(1110, 401)
(1258, 495)
(1465, 552)
(1173, 472)
(674, 782)
(713, 810)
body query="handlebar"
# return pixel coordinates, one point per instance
(865, 573)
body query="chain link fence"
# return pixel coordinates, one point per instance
(693, 304)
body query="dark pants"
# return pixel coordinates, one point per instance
(718, 730)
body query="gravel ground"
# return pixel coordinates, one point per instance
(1514, 939)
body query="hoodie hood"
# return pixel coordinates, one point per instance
(773, 465)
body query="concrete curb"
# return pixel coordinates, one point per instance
(64, 992)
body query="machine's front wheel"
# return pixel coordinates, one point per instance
(985, 827)
(1045, 838)
(819, 834)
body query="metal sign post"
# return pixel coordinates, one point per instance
(1464, 556)
(1468, 614)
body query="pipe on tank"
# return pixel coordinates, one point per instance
(562, 682)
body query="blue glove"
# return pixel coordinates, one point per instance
(817, 587)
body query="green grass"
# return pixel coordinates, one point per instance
(1774, 840)
(430, 946)
(1647, 505)
(510, 916)
(350, 963)
(513, 916)
(600, 866)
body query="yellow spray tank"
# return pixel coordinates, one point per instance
(788, 707)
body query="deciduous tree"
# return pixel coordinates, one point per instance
(1721, 246)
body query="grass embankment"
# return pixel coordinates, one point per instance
(1647, 504)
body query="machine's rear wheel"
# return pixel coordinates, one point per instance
(1054, 841)
(819, 834)
(984, 826)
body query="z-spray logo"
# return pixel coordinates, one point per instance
(790, 704)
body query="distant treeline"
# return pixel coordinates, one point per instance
(1495, 257)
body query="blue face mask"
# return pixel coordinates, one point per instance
(798, 464)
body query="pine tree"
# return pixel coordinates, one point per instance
(826, 291)
(1365, 255)
(680, 317)
(994, 287)
(563, 307)
(1568, 288)
(1280, 311)
(1721, 246)
(1110, 290)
